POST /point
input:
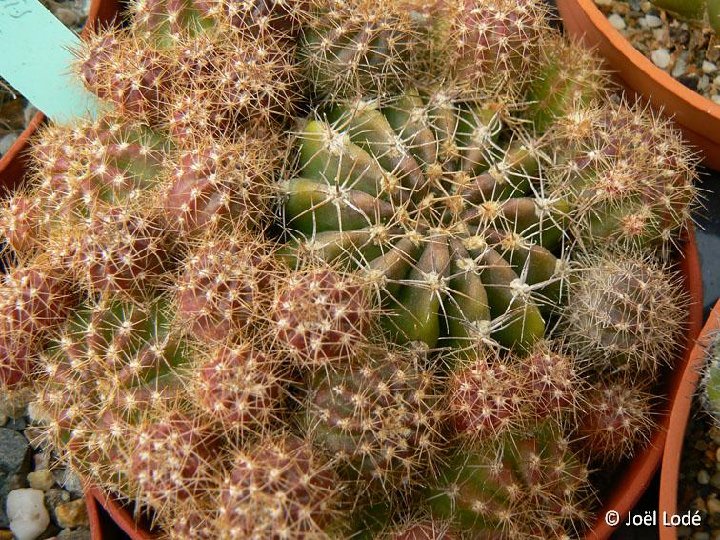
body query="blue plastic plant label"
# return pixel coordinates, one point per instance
(36, 60)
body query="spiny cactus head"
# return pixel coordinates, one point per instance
(239, 386)
(172, 457)
(357, 47)
(515, 487)
(490, 44)
(616, 420)
(567, 76)
(126, 70)
(321, 316)
(215, 184)
(419, 528)
(122, 250)
(555, 382)
(379, 417)
(35, 300)
(434, 200)
(486, 397)
(711, 380)
(231, 81)
(261, 18)
(279, 488)
(21, 224)
(624, 311)
(628, 176)
(94, 164)
(224, 283)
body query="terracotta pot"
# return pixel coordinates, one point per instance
(632, 481)
(678, 423)
(111, 520)
(12, 163)
(697, 116)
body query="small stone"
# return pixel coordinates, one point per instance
(71, 514)
(6, 141)
(651, 21)
(54, 498)
(713, 505)
(68, 480)
(704, 82)
(3, 419)
(42, 480)
(67, 16)
(701, 535)
(690, 80)
(42, 460)
(18, 424)
(661, 58)
(14, 404)
(604, 2)
(617, 21)
(15, 463)
(703, 477)
(709, 67)
(74, 534)
(679, 67)
(716, 99)
(716, 82)
(27, 513)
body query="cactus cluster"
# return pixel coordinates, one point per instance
(339, 269)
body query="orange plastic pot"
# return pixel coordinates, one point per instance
(678, 423)
(632, 481)
(12, 163)
(697, 116)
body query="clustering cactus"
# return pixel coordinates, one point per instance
(393, 318)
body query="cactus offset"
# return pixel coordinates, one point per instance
(378, 417)
(625, 312)
(616, 421)
(223, 285)
(281, 488)
(517, 487)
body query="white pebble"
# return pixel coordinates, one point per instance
(617, 21)
(716, 82)
(661, 58)
(679, 67)
(652, 21)
(27, 513)
(708, 67)
(604, 2)
(716, 99)
(703, 82)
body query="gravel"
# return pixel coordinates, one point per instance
(32, 483)
(686, 50)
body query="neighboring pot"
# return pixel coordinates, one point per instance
(12, 163)
(697, 116)
(632, 481)
(678, 422)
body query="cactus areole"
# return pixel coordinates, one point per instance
(439, 207)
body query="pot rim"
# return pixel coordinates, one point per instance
(679, 416)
